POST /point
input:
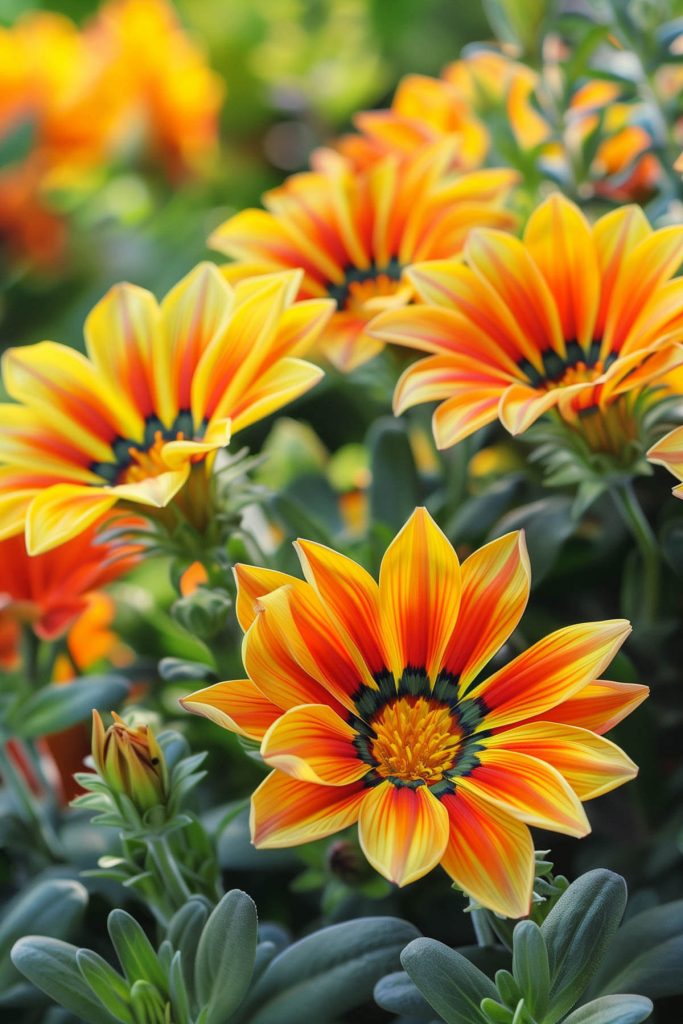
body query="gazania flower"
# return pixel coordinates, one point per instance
(353, 233)
(160, 391)
(572, 318)
(423, 110)
(129, 759)
(370, 706)
(176, 112)
(50, 592)
(669, 453)
(491, 82)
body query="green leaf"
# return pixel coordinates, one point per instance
(134, 950)
(646, 955)
(225, 956)
(577, 933)
(107, 984)
(57, 706)
(398, 994)
(180, 997)
(326, 974)
(147, 1003)
(530, 966)
(51, 965)
(395, 488)
(612, 1010)
(449, 982)
(52, 907)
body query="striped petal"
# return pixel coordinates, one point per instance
(520, 406)
(507, 266)
(287, 380)
(76, 398)
(403, 832)
(288, 812)
(668, 452)
(293, 653)
(351, 598)
(560, 241)
(238, 706)
(252, 583)
(528, 789)
(614, 235)
(61, 512)
(419, 593)
(463, 414)
(314, 744)
(124, 340)
(590, 764)
(490, 855)
(550, 671)
(599, 706)
(495, 590)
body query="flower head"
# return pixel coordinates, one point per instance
(572, 317)
(423, 111)
(372, 703)
(354, 232)
(161, 389)
(129, 759)
(176, 111)
(50, 592)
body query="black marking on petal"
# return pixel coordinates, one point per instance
(355, 275)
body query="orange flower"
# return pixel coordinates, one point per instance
(491, 81)
(353, 233)
(140, 419)
(423, 110)
(167, 89)
(574, 318)
(369, 707)
(50, 592)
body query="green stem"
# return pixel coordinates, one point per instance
(170, 875)
(634, 518)
(482, 929)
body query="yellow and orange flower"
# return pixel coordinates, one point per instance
(369, 704)
(353, 233)
(167, 90)
(423, 111)
(668, 452)
(51, 592)
(571, 318)
(490, 80)
(163, 387)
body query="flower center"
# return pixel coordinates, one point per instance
(416, 739)
(359, 293)
(580, 373)
(146, 462)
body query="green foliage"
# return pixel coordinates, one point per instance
(568, 969)
(211, 969)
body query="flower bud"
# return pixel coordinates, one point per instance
(204, 612)
(129, 759)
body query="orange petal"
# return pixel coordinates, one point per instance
(314, 744)
(590, 764)
(63, 511)
(490, 855)
(507, 266)
(552, 670)
(419, 592)
(614, 235)
(560, 241)
(403, 832)
(288, 812)
(350, 596)
(280, 384)
(520, 406)
(464, 413)
(599, 706)
(495, 590)
(252, 583)
(295, 618)
(669, 452)
(528, 789)
(237, 705)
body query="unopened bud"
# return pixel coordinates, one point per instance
(130, 761)
(204, 612)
